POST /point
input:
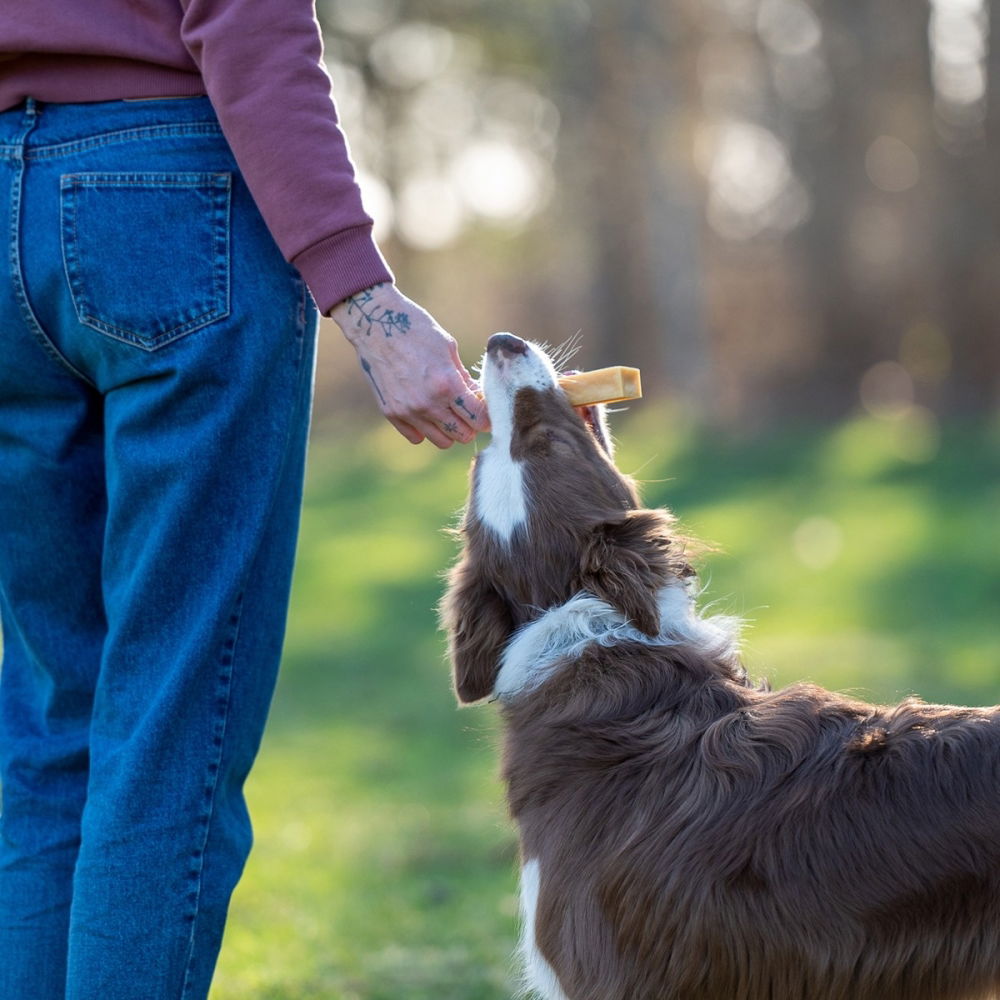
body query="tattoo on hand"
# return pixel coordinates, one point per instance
(450, 427)
(460, 403)
(367, 369)
(374, 317)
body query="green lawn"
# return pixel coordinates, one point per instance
(384, 866)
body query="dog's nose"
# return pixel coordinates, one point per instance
(506, 343)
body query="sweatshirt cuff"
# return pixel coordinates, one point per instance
(342, 265)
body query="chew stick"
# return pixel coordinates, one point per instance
(602, 385)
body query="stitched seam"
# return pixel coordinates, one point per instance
(17, 278)
(150, 179)
(111, 138)
(222, 231)
(223, 703)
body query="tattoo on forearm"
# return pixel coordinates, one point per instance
(373, 317)
(460, 403)
(367, 369)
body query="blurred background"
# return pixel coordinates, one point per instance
(787, 213)
(774, 207)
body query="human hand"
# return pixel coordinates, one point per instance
(413, 367)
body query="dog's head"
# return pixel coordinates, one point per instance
(548, 516)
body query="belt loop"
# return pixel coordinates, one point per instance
(31, 108)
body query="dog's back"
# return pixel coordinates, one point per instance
(696, 838)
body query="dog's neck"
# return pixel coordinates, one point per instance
(536, 651)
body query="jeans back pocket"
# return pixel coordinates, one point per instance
(147, 254)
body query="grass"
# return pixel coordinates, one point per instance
(384, 865)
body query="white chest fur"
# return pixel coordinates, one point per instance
(499, 500)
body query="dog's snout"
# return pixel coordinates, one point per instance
(506, 343)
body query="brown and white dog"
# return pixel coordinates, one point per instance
(686, 835)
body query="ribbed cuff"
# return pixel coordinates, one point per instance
(342, 265)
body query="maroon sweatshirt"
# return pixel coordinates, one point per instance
(259, 62)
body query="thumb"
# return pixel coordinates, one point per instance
(478, 406)
(470, 382)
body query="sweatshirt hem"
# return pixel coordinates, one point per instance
(342, 265)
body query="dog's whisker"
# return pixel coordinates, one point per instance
(566, 351)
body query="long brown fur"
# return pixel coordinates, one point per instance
(698, 837)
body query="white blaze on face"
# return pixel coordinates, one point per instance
(510, 364)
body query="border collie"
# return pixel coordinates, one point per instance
(686, 835)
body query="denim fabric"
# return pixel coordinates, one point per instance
(156, 358)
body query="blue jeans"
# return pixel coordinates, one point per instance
(156, 361)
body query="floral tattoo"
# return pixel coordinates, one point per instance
(374, 317)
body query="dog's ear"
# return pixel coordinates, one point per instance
(625, 562)
(479, 624)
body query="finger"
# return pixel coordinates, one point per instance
(478, 406)
(458, 428)
(472, 400)
(470, 382)
(470, 410)
(407, 430)
(435, 433)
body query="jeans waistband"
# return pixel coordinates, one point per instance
(60, 129)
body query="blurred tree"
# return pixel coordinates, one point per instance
(864, 248)
(629, 86)
(968, 226)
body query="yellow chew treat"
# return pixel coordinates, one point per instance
(602, 385)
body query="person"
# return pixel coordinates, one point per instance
(178, 206)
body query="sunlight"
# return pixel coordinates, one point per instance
(886, 390)
(498, 180)
(788, 27)
(891, 165)
(412, 53)
(429, 213)
(958, 35)
(818, 542)
(377, 200)
(445, 108)
(752, 188)
(366, 17)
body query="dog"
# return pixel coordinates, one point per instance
(686, 834)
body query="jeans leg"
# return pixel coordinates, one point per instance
(205, 459)
(52, 512)
(51, 522)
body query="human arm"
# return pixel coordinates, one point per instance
(262, 67)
